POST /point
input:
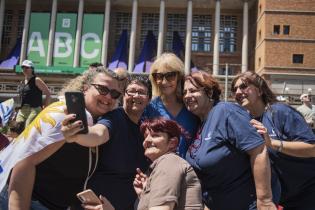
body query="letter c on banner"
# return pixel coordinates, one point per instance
(95, 52)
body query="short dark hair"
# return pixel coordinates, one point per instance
(143, 80)
(95, 64)
(161, 124)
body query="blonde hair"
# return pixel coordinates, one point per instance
(86, 79)
(167, 62)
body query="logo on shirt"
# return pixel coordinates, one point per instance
(209, 136)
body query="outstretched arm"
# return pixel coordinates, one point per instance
(98, 134)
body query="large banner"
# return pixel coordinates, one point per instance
(91, 41)
(38, 38)
(64, 39)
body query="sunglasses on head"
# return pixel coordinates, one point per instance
(169, 76)
(103, 90)
(242, 87)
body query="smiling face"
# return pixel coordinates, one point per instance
(196, 100)
(96, 103)
(157, 144)
(136, 98)
(166, 81)
(246, 94)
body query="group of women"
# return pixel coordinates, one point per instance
(253, 154)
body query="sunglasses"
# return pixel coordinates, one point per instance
(135, 92)
(242, 87)
(103, 90)
(169, 76)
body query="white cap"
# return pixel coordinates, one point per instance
(303, 95)
(28, 63)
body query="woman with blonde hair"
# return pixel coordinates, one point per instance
(166, 76)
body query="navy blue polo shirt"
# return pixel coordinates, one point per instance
(219, 156)
(119, 158)
(297, 175)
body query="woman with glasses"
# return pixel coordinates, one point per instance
(228, 155)
(290, 141)
(118, 134)
(166, 77)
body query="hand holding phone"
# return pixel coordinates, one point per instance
(76, 105)
(91, 201)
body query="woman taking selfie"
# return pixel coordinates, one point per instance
(290, 140)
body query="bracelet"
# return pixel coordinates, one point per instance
(280, 147)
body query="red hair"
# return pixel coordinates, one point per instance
(164, 125)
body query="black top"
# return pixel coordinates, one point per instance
(60, 177)
(30, 94)
(119, 158)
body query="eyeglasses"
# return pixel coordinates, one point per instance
(103, 90)
(135, 92)
(169, 76)
(242, 87)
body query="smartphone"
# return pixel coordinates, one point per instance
(76, 105)
(89, 197)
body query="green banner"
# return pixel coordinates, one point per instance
(91, 41)
(38, 38)
(65, 39)
(55, 70)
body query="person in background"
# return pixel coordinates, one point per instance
(121, 152)
(228, 155)
(31, 91)
(51, 177)
(166, 75)
(123, 75)
(290, 141)
(93, 66)
(307, 110)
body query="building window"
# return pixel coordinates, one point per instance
(228, 32)
(259, 8)
(175, 22)
(201, 33)
(259, 62)
(259, 35)
(286, 29)
(7, 27)
(20, 24)
(276, 29)
(123, 22)
(298, 58)
(149, 22)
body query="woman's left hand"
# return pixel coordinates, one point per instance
(261, 129)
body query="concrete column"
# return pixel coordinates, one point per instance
(25, 30)
(106, 33)
(216, 45)
(132, 45)
(245, 38)
(161, 28)
(188, 37)
(2, 11)
(78, 35)
(51, 38)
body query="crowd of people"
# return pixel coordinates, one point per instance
(167, 142)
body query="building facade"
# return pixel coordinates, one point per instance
(273, 37)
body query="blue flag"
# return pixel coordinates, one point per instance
(119, 58)
(6, 109)
(147, 54)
